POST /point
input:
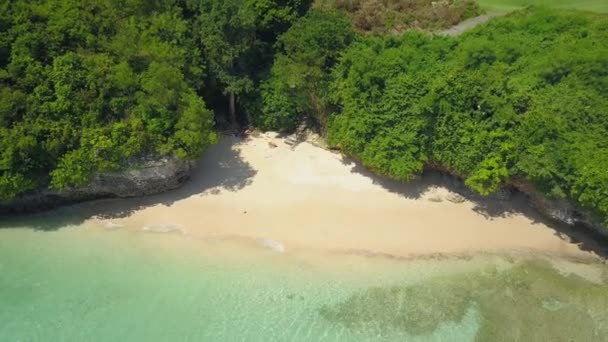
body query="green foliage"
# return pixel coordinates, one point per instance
(88, 86)
(299, 77)
(228, 34)
(525, 97)
(489, 176)
(194, 129)
(379, 85)
(13, 184)
(93, 85)
(237, 38)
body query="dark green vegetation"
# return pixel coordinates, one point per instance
(512, 305)
(395, 16)
(99, 85)
(300, 75)
(85, 87)
(522, 99)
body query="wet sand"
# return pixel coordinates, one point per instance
(287, 199)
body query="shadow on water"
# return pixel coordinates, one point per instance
(220, 169)
(502, 205)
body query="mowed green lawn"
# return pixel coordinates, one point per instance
(600, 6)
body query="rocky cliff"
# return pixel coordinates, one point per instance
(560, 210)
(148, 178)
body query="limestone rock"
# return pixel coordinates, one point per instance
(150, 177)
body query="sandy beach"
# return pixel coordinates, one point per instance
(260, 190)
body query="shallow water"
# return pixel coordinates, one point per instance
(93, 284)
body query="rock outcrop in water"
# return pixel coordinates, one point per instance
(148, 178)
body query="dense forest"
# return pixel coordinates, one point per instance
(521, 99)
(89, 86)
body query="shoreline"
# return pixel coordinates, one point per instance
(306, 197)
(561, 215)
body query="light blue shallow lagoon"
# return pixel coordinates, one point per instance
(80, 283)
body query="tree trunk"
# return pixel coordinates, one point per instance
(232, 111)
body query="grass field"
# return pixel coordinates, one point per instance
(599, 6)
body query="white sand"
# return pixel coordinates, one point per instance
(308, 198)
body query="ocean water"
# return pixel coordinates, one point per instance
(84, 283)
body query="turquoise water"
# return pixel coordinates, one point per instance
(87, 284)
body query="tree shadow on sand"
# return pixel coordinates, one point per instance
(490, 207)
(508, 203)
(221, 168)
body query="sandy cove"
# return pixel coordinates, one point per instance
(309, 198)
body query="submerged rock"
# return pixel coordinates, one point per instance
(528, 301)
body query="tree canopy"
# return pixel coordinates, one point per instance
(522, 98)
(90, 86)
(86, 88)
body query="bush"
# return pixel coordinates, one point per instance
(299, 78)
(524, 97)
